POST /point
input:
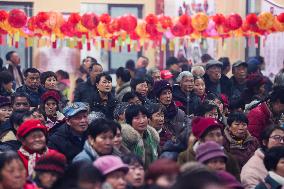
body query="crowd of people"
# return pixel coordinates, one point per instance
(185, 127)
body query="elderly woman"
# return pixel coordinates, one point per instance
(238, 140)
(183, 93)
(138, 137)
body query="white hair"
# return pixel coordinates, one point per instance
(198, 69)
(183, 74)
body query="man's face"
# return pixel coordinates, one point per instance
(15, 58)
(214, 73)
(240, 72)
(33, 80)
(79, 122)
(21, 103)
(187, 84)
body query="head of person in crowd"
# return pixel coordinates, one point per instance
(77, 117)
(212, 155)
(131, 98)
(101, 133)
(137, 117)
(229, 180)
(240, 72)
(114, 170)
(117, 140)
(104, 83)
(217, 100)
(272, 136)
(36, 113)
(192, 166)
(33, 136)
(142, 62)
(207, 129)
(32, 78)
(81, 175)
(150, 83)
(238, 125)
(163, 92)
(213, 70)
(155, 73)
(122, 76)
(279, 78)
(49, 168)
(208, 110)
(167, 75)
(18, 117)
(199, 87)
(236, 106)
(5, 109)
(119, 112)
(139, 86)
(253, 65)
(50, 103)
(94, 70)
(130, 66)
(88, 61)
(197, 71)
(203, 179)
(226, 65)
(205, 58)
(276, 101)
(6, 83)
(62, 75)
(136, 173)
(261, 62)
(186, 81)
(274, 162)
(156, 115)
(162, 173)
(12, 171)
(95, 115)
(48, 80)
(172, 65)
(13, 57)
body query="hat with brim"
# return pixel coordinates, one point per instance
(109, 163)
(75, 108)
(209, 150)
(211, 63)
(240, 63)
(212, 155)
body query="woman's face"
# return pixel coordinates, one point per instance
(50, 83)
(157, 120)
(5, 113)
(280, 167)
(8, 87)
(135, 175)
(239, 129)
(216, 164)
(214, 135)
(117, 140)
(13, 175)
(261, 90)
(166, 97)
(199, 87)
(142, 88)
(166, 180)
(212, 114)
(39, 116)
(47, 179)
(50, 107)
(117, 180)
(139, 122)
(103, 143)
(275, 139)
(35, 141)
(104, 85)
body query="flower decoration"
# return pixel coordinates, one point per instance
(200, 22)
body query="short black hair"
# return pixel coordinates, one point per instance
(132, 159)
(272, 157)
(9, 55)
(225, 61)
(171, 61)
(128, 96)
(149, 79)
(93, 60)
(7, 157)
(134, 110)
(45, 75)
(123, 74)
(19, 94)
(99, 76)
(31, 70)
(204, 108)
(277, 94)
(94, 64)
(206, 57)
(99, 126)
(154, 108)
(17, 117)
(266, 133)
(237, 116)
(130, 65)
(6, 77)
(136, 81)
(63, 74)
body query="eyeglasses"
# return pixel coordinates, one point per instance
(278, 138)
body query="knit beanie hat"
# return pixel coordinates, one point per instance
(4, 101)
(52, 161)
(200, 125)
(209, 150)
(229, 180)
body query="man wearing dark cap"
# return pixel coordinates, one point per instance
(238, 80)
(213, 81)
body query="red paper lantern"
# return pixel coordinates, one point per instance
(234, 21)
(74, 18)
(3, 15)
(105, 18)
(251, 19)
(185, 20)
(151, 19)
(90, 20)
(166, 22)
(178, 30)
(67, 29)
(17, 18)
(113, 26)
(280, 18)
(128, 23)
(219, 19)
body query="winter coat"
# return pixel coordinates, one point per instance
(84, 92)
(145, 147)
(59, 120)
(269, 183)
(254, 171)
(13, 145)
(190, 101)
(241, 150)
(33, 96)
(236, 89)
(7, 131)
(259, 118)
(189, 155)
(64, 141)
(121, 91)
(225, 86)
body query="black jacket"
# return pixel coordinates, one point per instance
(66, 142)
(84, 92)
(33, 96)
(190, 102)
(269, 183)
(236, 89)
(225, 86)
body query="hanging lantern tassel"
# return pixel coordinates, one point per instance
(26, 42)
(54, 44)
(102, 44)
(256, 40)
(128, 47)
(88, 46)
(172, 45)
(1, 40)
(113, 43)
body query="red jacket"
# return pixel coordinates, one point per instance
(259, 118)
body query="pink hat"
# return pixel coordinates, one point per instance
(110, 163)
(166, 74)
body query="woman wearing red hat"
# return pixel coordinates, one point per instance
(32, 135)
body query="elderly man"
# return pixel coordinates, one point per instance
(183, 93)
